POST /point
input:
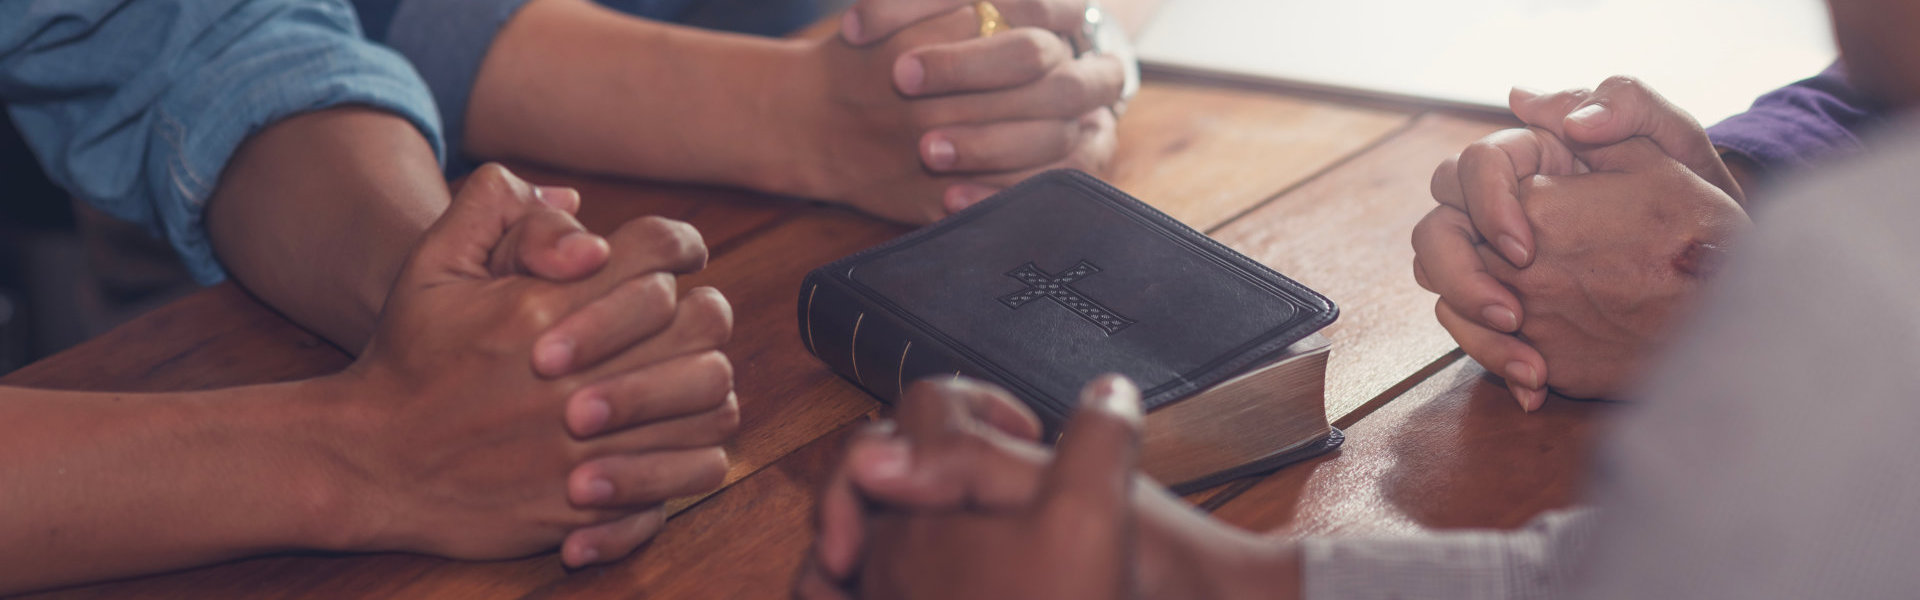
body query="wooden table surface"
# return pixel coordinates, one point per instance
(1323, 189)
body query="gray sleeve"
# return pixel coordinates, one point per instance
(1773, 453)
(447, 40)
(1537, 561)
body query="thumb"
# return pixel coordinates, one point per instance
(489, 203)
(1094, 461)
(1634, 155)
(547, 242)
(1544, 110)
(1625, 107)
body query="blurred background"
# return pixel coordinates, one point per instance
(1711, 57)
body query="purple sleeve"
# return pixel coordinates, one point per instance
(1812, 120)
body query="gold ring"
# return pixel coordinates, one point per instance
(991, 21)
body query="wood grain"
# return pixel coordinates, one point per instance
(1455, 451)
(699, 554)
(1348, 235)
(1206, 154)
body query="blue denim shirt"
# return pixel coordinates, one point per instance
(135, 106)
(448, 39)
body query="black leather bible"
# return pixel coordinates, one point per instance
(1062, 278)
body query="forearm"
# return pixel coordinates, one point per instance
(102, 485)
(316, 213)
(1186, 554)
(570, 83)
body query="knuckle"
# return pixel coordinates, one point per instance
(719, 371)
(1029, 53)
(1477, 152)
(712, 316)
(713, 469)
(490, 174)
(1446, 177)
(675, 241)
(536, 309)
(1426, 232)
(1085, 92)
(1622, 82)
(653, 293)
(494, 178)
(1065, 92)
(726, 419)
(1570, 96)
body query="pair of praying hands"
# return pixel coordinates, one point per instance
(925, 115)
(955, 498)
(1564, 252)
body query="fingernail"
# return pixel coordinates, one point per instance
(555, 356)
(1530, 399)
(1516, 253)
(1591, 115)
(580, 243)
(1522, 374)
(887, 460)
(909, 75)
(599, 491)
(1500, 317)
(940, 153)
(555, 196)
(959, 196)
(1114, 393)
(592, 414)
(850, 27)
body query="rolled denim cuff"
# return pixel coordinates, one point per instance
(310, 58)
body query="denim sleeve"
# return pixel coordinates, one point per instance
(448, 39)
(136, 106)
(1812, 120)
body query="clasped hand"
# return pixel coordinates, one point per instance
(1563, 253)
(956, 499)
(925, 117)
(530, 382)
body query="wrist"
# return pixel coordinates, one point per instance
(800, 114)
(1244, 566)
(1186, 554)
(337, 505)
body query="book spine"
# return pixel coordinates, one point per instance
(869, 345)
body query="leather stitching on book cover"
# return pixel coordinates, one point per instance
(810, 347)
(853, 349)
(1058, 289)
(900, 374)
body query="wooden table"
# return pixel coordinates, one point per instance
(1323, 189)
